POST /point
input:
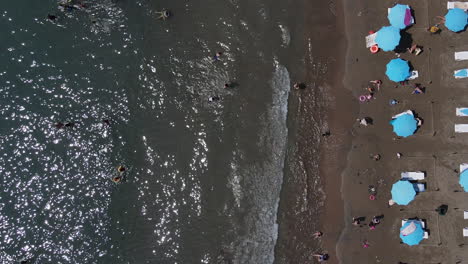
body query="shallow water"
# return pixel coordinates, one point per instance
(203, 178)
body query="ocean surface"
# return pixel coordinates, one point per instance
(203, 179)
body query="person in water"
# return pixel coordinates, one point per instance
(121, 169)
(165, 14)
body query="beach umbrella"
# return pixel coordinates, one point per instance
(400, 16)
(403, 192)
(411, 233)
(464, 180)
(404, 125)
(398, 70)
(456, 19)
(388, 38)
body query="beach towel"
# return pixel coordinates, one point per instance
(462, 111)
(459, 74)
(414, 75)
(461, 5)
(461, 55)
(461, 128)
(370, 40)
(413, 175)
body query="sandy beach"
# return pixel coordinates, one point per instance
(435, 148)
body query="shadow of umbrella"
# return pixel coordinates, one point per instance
(405, 42)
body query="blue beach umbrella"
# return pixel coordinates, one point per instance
(464, 180)
(398, 70)
(388, 38)
(456, 19)
(464, 111)
(411, 233)
(404, 125)
(403, 192)
(400, 16)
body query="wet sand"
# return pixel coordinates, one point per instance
(435, 148)
(311, 197)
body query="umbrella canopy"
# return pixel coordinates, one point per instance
(388, 38)
(404, 125)
(412, 232)
(400, 16)
(456, 19)
(398, 70)
(464, 180)
(403, 192)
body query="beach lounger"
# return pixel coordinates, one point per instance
(461, 128)
(460, 74)
(413, 175)
(465, 214)
(461, 5)
(463, 167)
(461, 55)
(404, 113)
(423, 225)
(370, 40)
(420, 187)
(465, 231)
(461, 111)
(414, 75)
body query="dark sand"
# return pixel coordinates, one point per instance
(435, 148)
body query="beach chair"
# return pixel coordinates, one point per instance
(423, 225)
(465, 232)
(404, 113)
(420, 187)
(370, 40)
(413, 175)
(461, 55)
(460, 74)
(465, 214)
(414, 75)
(461, 5)
(461, 111)
(426, 235)
(463, 167)
(461, 128)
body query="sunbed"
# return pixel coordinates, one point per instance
(423, 225)
(413, 175)
(463, 167)
(461, 5)
(404, 113)
(465, 232)
(465, 214)
(461, 128)
(461, 111)
(370, 40)
(461, 55)
(420, 187)
(426, 235)
(460, 74)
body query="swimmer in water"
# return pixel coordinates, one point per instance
(117, 179)
(121, 169)
(165, 14)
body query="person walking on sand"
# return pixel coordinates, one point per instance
(365, 244)
(356, 221)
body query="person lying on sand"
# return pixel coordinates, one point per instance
(377, 83)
